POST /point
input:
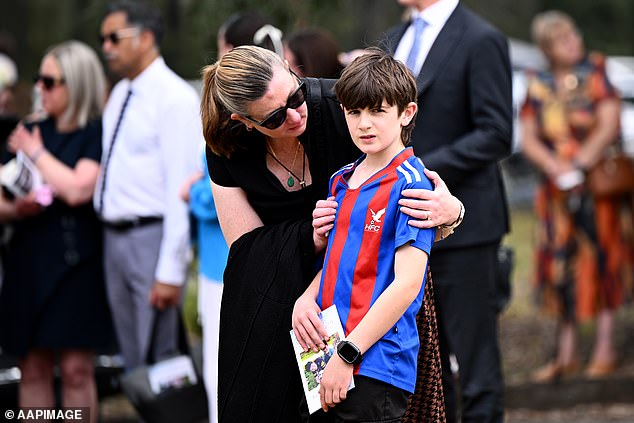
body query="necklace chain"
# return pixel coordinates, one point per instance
(290, 181)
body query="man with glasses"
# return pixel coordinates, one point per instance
(151, 139)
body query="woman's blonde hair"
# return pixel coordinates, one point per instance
(545, 24)
(84, 79)
(241, 76)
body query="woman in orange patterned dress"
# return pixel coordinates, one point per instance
(569, 121)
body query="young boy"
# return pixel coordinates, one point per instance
(375, 263)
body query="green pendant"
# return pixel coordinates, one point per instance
(290, 182)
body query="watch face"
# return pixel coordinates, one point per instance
(348, 352)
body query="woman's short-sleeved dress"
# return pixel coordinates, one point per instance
(53, 294)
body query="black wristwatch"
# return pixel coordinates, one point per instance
(349, 352)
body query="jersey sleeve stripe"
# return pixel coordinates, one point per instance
(413, 170)
(405, 174)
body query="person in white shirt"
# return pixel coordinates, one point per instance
(151, 138)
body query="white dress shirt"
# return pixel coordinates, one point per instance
(156, 150)
(435, 17)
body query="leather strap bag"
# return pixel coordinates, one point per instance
(427, 403)
(612, 177)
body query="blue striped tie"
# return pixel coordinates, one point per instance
(419, 25)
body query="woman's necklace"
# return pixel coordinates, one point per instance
(291, 175)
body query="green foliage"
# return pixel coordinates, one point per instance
(191, 25)
(606, 25)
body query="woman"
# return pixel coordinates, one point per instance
(238, 29)
(53, 300)
(248, 27)
(274, 140)
(570, 120)
(313, 52)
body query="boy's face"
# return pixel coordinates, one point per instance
(378, 130)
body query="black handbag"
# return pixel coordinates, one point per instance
(182, 399)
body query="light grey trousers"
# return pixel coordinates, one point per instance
(130, 259)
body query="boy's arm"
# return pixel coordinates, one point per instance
(409, 271)
(309, 330)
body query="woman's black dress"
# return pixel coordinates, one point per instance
(53, 294)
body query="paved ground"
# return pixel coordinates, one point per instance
(526, 343)
(118, 410)
(613, 413)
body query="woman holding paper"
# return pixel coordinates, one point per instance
(570, 120)
(53, 300)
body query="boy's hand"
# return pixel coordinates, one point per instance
(307, 326)
(335, 381)
(323, 221)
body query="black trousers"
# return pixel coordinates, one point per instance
(466, 297)
(370, 400)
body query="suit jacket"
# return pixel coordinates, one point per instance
(464, 122)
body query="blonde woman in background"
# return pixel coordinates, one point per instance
(53, 301)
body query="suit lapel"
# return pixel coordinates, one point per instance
(393, 37)
(445, 43)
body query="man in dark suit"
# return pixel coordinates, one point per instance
(463, 128)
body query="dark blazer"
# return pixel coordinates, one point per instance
(464, 122)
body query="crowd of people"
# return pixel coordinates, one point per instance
(381, 165)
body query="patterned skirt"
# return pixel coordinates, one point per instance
(584, 252)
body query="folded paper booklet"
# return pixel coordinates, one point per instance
(20, 176)
(172, 373)
(312, 364)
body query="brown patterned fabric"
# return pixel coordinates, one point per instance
(427, 403)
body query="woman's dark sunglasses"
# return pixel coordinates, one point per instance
(48, 82)
(278, 117)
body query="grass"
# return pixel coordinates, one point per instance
(521, 239)
(190, 302)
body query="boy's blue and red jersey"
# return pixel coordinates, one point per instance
(359, 261)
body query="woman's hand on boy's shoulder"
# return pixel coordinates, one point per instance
(430, 208)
